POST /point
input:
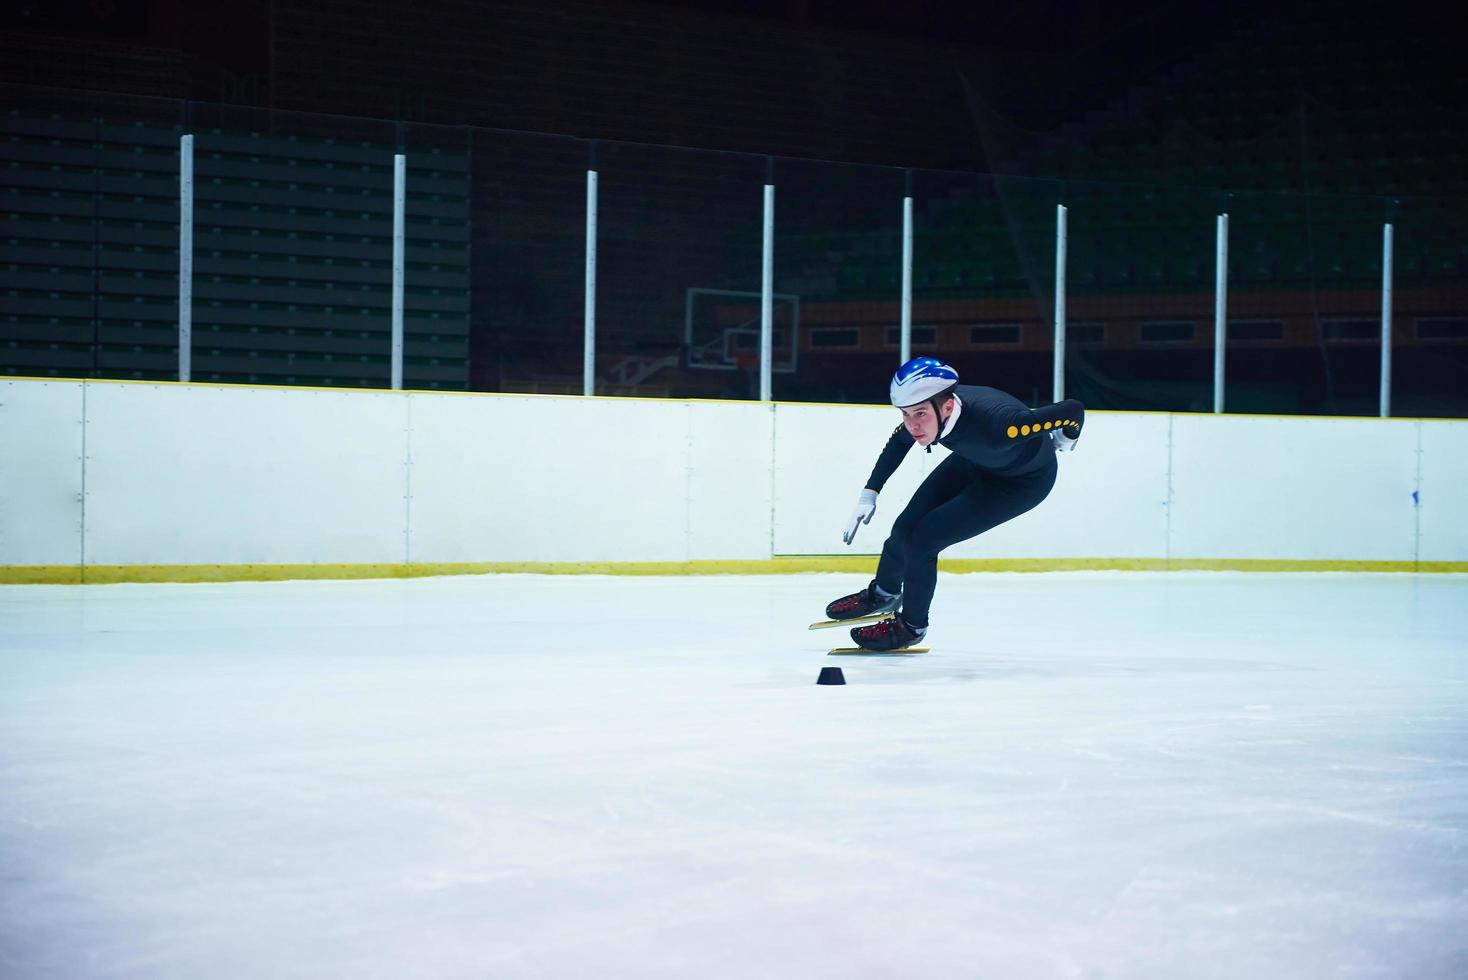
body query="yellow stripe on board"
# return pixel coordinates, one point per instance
(863, 565)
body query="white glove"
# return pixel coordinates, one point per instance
(866, 506)
(1063, 442)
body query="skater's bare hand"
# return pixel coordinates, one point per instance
(866, 506)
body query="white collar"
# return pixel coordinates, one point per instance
(952, 419)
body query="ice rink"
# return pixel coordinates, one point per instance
(1092, 775)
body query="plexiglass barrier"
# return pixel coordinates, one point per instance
(520, 249)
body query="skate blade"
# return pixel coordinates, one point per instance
(864, 652)
(826, 624)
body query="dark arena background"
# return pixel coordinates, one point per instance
(1311, 125)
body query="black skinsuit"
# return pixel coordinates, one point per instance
(1002, 464)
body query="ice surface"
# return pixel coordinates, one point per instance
(1091, 775)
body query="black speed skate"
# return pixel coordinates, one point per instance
(863, 605)
(889, 634)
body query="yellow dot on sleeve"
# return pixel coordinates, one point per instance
(1048, 424)
(1024, 430)
(1013, 432)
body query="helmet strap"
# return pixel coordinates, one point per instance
(937, 402)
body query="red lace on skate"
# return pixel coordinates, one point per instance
(877, 631)
(850, 602)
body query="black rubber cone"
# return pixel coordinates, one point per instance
(831, 675)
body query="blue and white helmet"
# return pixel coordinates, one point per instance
(921, 379)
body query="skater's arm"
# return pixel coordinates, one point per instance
(892, 455)
(887, 463)
(1067, 416)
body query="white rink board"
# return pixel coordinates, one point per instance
(1109, 501)
(454, 483)
(730, 489)
(549, 479)
(823, 456)
(233, 475)
(41, 472)
(1443, 512)
(205, 474)
(1282, 488)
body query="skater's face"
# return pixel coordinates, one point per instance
(922, 424)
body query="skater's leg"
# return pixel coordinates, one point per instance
(982, 505)
(947, 481)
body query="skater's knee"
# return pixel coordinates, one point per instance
(924, 547)
(903, 528)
